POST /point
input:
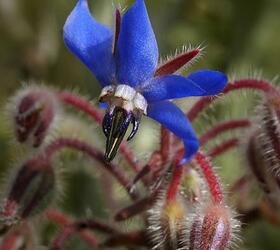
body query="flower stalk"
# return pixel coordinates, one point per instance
(255, 84)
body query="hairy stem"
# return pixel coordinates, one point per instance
(223, 147)
(210, 177)
(137, 238)
(95, 154)
(165, 139)
(175, 182)
(223, 127)
(256, 84)
(136, 208)
(77, 227)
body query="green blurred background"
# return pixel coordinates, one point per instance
(240, 38)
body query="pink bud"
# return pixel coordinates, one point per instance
(212, 228)
(33, 113)
(30, 191)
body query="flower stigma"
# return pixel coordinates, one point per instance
(126, 106)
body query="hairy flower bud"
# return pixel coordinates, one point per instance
(30, 191)
(212, 228)
(269, 138)
(263, 148)
(167, 224)
(268, 180)
(193, 187)
(33, 111)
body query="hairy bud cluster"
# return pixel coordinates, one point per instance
(30, 192)
(263, 148)
(175, 226)
(33, 111)
(191, 219)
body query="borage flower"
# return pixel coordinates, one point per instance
(125, 66)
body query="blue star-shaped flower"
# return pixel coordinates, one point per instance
(126, 66)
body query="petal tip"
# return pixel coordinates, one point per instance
(90, 41)
(137, 51)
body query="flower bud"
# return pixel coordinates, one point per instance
(167, 224)
(269, 137)
(192, 186)
(30, 191)
(212, 228)
(268, 180)
(263, 148)
(33, 111)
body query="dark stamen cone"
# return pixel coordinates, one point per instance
(120, 122)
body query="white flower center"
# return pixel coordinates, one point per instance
(124, 96)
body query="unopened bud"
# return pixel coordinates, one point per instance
(212, 228)
(31, 191)
(268, 180)
(33, 111)
(269, 138)
(167, 225)
(193, 186)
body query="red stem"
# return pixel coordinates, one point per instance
(95, 154)
(165, 139)
(9, 242)
(223, 147)
(62, 238)
(130, 157)
(261, 85)
(71, 228)
(89, 109)
(58, 217)
(64, 220)
(70, 231)
(174, 184)
(137, 238)
(137, 207)
(210, 177)
(81, 104)
(241, 183)
(223, 127)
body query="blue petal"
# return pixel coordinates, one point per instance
(213, 82)
(199, 83)
(90, 41)
(137, 47)
(171, 117)
(170, 87)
